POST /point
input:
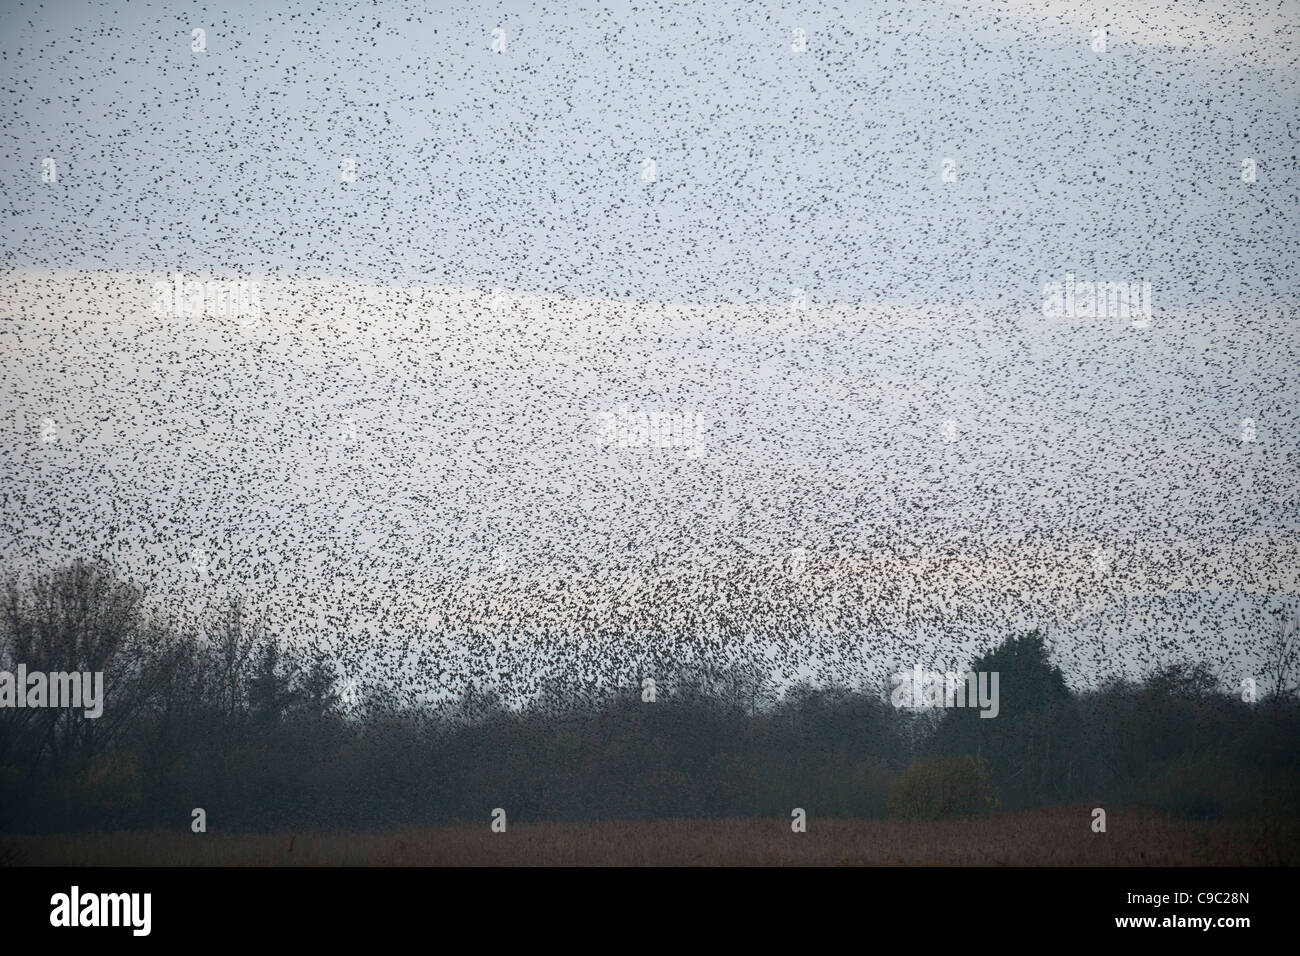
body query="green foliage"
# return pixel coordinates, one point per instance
(950, 787)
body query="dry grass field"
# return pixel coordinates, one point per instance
(1048, 837)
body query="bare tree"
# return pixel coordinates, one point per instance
(232, 638)
(1282, 659)
(80, 618)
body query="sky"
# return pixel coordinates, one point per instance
(395, 459)
(775, 169)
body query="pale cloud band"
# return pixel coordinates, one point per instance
(1261, 33)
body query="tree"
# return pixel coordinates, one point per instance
(82, 619)
(1029, 743)
(270, 689)
(1282, 661)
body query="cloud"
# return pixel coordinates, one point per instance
(1239, 30)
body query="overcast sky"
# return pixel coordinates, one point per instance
(818, 169)
(343, 461)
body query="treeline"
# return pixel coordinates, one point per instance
(255, 733)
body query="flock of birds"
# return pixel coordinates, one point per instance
(433, 500)
(400, 459)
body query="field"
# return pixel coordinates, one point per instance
(1048, 837)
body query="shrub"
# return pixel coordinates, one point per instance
(950, 787)
(14, 799)
(111, 788)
